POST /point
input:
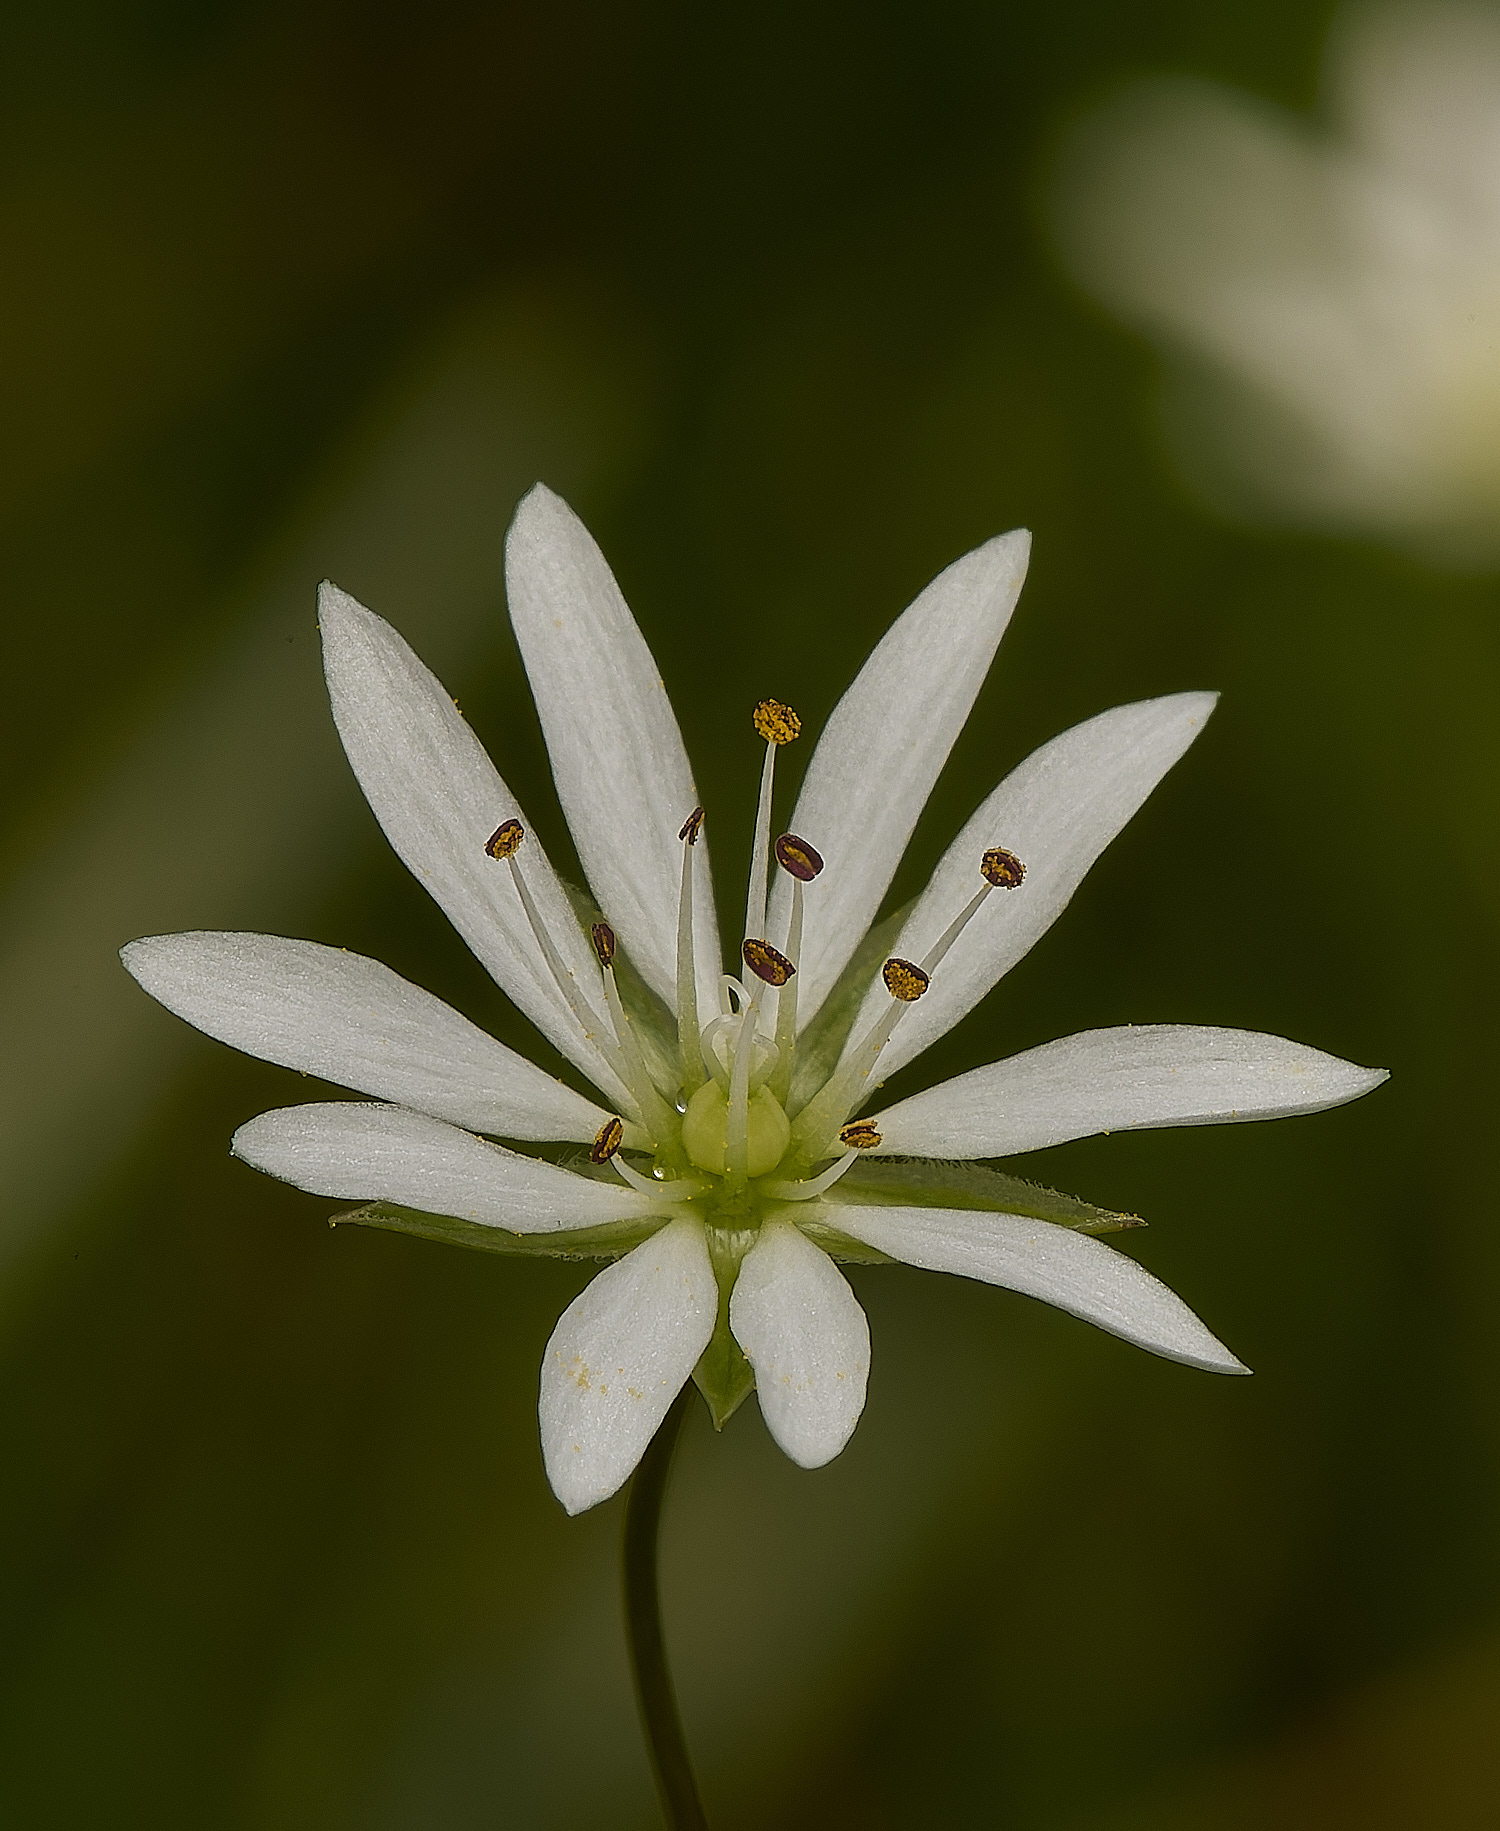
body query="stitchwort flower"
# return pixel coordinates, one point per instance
(732, 1158)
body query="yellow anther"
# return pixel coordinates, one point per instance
(860, 1136)
(797, 857)
(604, 942)
(776, 723)
(607, 1142)
(504, 840)
(692, 827)
(1003, 869)
(764, 961)
(904, 980)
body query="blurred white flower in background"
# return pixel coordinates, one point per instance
(1328, 296)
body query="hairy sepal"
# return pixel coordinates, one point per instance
(929, 1183)
(608, 1242)
(723, 1375)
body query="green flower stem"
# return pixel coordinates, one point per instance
(648, 1657)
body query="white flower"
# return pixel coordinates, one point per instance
(1335, 296)
(726, 1172)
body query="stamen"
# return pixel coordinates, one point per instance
(657, 1119)
(505, 838)
(607, 1141)
(778, 725)
(804, 1191)
(683, 1189)
(737, 1120)
(1003, 869)
(605, 1149)
(802, 863)
(504, 843)
(689, 1042)
(906, 981)
(860, 1136)
(764, 961)
(798, 858)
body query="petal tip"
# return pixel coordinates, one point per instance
(540, 505)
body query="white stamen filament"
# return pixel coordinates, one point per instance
(815, 1125)
(814, 1185)
(760, 852)
(655, 1118)
(682, 1190)
(688, 1040)
(786, 1001)
(737, 1123)
(589, 1020)
(715, 1068)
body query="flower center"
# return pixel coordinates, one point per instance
(721, 1120)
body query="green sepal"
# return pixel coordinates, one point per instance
(917, 1182)
(820, 1230)
(822, 1043)
(723, 1375)
(610, 1241)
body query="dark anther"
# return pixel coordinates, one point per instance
(604, 942)
(798, 857)
(608, 1141)
(692, 826)
(904, 980)
(860, 1136)
(764, 961)
(504, 840)
(1003, 869)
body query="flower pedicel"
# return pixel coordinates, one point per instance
(728, 1162)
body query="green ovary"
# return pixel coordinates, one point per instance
(707, 1117)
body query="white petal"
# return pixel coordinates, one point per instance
(806, 1337)
(617, 756)
(351, 1020)
(1068, 1269)
(1120, 1080)
(439, 798)
(385, 1153)
(883, 748)
(619, 1356)
(1057, 812)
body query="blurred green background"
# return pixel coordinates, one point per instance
(293, 291)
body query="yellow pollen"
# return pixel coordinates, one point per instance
(604, 942)
(776, 723)
(797, 857)
(607, 1142)
(1003, 869)
(904, 980)
(504, 840)
(860, 1136)
(692, 827)
(764, 961)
